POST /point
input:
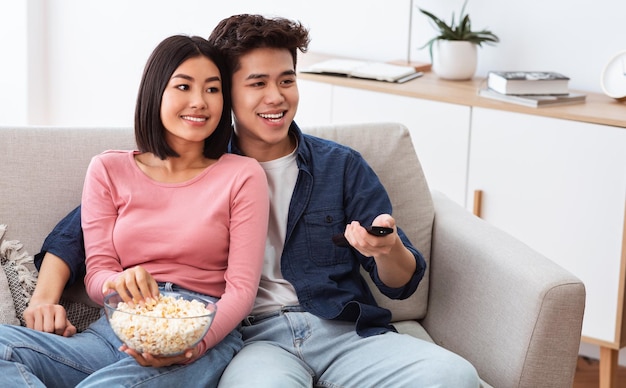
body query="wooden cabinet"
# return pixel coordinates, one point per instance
(559, 186)
(553, 177)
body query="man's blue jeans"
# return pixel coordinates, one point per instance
(91, 358)
(294, 349)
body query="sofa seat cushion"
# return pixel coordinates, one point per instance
(415, 329)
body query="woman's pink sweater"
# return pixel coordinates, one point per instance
(206, 234)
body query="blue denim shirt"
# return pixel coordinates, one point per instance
(334, 187)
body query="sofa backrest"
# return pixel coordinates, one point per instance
(42, 170)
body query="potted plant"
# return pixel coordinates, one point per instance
(455, 54)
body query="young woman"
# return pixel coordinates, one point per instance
(179, 213)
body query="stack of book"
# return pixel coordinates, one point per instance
(530, 88)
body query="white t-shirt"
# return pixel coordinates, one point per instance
(274, 291)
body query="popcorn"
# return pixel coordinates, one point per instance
(167, 326)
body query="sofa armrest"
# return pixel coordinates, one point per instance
(512, 312)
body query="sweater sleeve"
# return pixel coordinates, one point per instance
(98, 216)
(248, 232)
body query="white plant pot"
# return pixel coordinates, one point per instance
(454, 59)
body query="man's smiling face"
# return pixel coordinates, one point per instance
(265, 99)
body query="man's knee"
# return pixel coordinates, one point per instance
(265, 366)
(459, 373)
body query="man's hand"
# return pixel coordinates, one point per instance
(372, 246)
(49, 318)
(44, 313)
(395, 263)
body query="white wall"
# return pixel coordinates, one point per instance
(95, 50)
(574, 37)
(76, 62)
(13, 72)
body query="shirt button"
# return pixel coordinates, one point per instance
(329, 219)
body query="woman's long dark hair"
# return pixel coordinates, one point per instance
(164, 60)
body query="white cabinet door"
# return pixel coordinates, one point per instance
(439, 131)
(559, 186)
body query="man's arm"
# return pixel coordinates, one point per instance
(395, 266)
(44, 312)
(66, 242)
(61, 262)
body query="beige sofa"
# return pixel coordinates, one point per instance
(510, 311)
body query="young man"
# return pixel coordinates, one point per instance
(314, 322)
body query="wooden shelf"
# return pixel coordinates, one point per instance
(598, 109)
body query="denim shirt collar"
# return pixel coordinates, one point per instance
(303, 153)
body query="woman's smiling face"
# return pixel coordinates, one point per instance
(192, 102)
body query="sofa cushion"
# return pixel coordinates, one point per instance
(7, 309)
(80, 314)
(21, 278)
(413, 208)
(42, 170)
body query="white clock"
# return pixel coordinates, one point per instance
(613, 78)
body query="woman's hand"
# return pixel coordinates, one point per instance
(145, 359)
(135, 286)
(48, 317)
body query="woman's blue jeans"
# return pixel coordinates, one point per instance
(30, 358)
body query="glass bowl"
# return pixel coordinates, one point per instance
(177, 322)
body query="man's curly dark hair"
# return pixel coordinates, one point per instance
(237, 35)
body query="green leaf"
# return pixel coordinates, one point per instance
(460, 31)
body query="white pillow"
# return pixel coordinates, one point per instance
(20, 279)
(20, 283)
(7, 309)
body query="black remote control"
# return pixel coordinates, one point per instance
(379, 230)
(340, 239)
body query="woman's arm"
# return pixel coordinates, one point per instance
(248, 232)
(44, 312)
